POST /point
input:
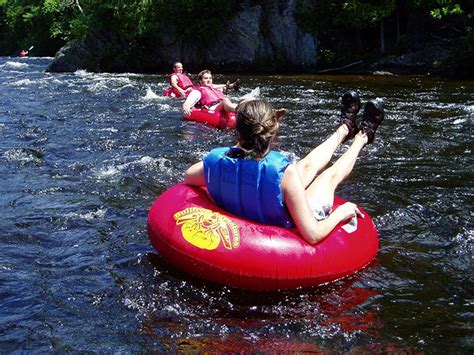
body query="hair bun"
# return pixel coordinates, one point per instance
(257, 125)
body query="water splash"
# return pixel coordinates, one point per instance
(14, 65)
(254, 94)
(150, 95)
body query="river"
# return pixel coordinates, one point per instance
(83, 157)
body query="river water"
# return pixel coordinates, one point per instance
(83, 156)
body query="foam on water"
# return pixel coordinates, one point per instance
(22, 155)
(23, 82)
(460, 121)
(255, 93)
(88, 216)
(99, 85)
(107, 172)
(465, 241)
(108, 129)
(83, 73)
(146, 162)
(14, 65)
(150, 95)
(85, 155)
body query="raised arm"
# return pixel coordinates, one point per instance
(195, 175)
(294, 196)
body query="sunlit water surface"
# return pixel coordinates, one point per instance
(83, 156)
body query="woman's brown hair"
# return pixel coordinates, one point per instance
(257, 126)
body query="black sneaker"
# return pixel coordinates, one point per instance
(236, 85)
(372, 117)
(227, 87)
(350, 106)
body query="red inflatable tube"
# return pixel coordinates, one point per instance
(171, 92)
(193, 234)
(219, 119)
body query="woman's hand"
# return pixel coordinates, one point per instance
(347, 211)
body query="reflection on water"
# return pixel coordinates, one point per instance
(83, 157)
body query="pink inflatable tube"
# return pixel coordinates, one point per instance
(194, 235)
(172, 92)
(219, 119)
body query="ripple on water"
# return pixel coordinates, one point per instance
(85, 154)
(187, 309)
(24, 156)
(14, 65)
(23, 82)
(145, 163)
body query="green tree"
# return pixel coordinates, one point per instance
(50, 23)
(33, 22)
(342, 27)
(353, 29)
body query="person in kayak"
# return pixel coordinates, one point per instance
(255, 182)
(209, 96)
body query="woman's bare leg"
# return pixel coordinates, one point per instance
(319, 157)
(325, 184)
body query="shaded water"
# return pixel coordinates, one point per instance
(83, 156)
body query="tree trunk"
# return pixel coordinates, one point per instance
(76, 2)
(398, 26)
(382, 37)
(359, 41)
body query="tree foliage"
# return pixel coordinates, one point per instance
(347, 30)
(50, 23)
(353, 29)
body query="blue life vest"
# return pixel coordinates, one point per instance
(247, 187)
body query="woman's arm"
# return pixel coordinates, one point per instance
(195, 175)
(294, 196)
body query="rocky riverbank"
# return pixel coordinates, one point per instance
(262, 38)
(258, 38)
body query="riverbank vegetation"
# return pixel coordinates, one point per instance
(352, 31)
(346, 31)
(49, 24)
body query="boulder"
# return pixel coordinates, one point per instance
(259, 38)
(264, 38)
(420, 61)
(69, 58)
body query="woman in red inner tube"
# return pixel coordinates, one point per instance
(255, 182)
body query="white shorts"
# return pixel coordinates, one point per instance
(321, 209)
